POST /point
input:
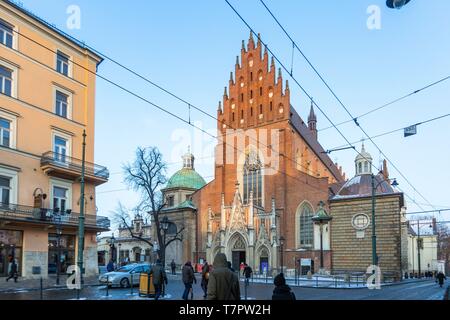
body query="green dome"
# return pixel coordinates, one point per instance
(186, 178)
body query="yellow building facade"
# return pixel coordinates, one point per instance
(47, 100)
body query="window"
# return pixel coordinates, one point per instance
(5, 81)
(260, 108)
(6, 34)
(242, 114)
(306, 226)
(251, 94)
(5, 133)
(232, 116)
(253, 178)
(62, 63)
(270, 105)
(188, 197)
(170, 201)
(61, 104)
(251, 75)
(251, 112)
(59, 199)
(60, 149)
(260, 91)
(242, 97)
(5, 187)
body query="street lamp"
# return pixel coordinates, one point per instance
(374, 236)
(281, 252)
(111, 245)
(396, 4)
(321, 218)
(164, 226)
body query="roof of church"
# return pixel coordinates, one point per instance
(361, 186)
(304, 131)
(186, 178)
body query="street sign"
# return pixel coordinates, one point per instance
(410, 131)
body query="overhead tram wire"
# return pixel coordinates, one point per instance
(170, 113)
(315, 103)
(331, 90)
(393, 131)
(355, 120)
(188, 122)
(162, 109)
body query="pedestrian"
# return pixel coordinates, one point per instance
(110, 266)
(173, 265)
(440, 278)
(247, 273)
(282, 291)
(205, 278)
(229, 266)
(223, 284)
(188, 279)
(13, 269)
(159, 278)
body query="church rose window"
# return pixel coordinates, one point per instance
(253, 178)
(306, 226)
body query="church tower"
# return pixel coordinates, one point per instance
(312, 121)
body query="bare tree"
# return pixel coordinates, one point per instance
(147, 175)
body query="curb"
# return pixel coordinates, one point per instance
(19, 290)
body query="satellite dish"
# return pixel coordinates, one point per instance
(396, 4)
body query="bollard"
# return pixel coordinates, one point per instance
(42, 289)
(107, 286)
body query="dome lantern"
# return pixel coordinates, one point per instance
(363, 162)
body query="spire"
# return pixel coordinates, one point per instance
(237, 61)
(265, 52)
(259, 40)
(243, 45)
(231, 77)
(251, 42)
(225, 93)
(220, 107)
(280, 77)
(272, 63)
(287, 85)
(312, 120)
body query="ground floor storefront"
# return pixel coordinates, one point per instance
(39, 251)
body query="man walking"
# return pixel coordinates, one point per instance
(159, 278)
(188, 279)
(13, 269)
(440, 278)
(223, 283)
(247, 273)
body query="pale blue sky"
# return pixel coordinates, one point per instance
(190, 48)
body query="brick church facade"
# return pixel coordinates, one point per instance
(270, 174)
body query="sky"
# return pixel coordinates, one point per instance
(190, 47)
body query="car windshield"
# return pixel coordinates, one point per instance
(125, 269)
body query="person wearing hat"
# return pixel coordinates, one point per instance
(282, 291)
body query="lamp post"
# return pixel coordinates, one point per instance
(111, 245)
(164, 226)
(374, 236)
(321, 218)
(419, 246)
(281, 252)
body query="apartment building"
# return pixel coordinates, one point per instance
(47, 101)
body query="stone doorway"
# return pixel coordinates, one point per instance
(238, 257)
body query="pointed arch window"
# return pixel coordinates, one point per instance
(253, 178)
(306, 226)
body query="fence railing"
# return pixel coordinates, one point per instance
(28, 213)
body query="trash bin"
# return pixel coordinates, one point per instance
(146, 288)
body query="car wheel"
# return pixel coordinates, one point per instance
(124, 283)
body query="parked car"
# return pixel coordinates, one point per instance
(122, 276)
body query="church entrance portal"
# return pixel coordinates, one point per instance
(237, 258)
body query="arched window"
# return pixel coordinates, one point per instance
(306, 226)
(253, 178)
(360, 167)
(366, 167)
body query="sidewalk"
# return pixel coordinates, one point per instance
(35, 284)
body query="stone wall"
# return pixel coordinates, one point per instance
(34, 259)
(352, 253)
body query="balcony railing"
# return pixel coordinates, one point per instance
(50, 216)
(68, 163)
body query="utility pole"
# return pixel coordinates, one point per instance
(81, 217)
(374, 237)
(418, 246)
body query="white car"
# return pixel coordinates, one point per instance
(125, 275)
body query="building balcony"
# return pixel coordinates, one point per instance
(66, 167)
(14, 213)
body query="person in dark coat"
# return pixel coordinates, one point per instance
(230, 267)
(188, 279)
(440, 278)
(205, 278)
(223, 283)
(159, 278)
(282, 291)
(110, 266)
(13, 270)
(247, 273)
(173, 266)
